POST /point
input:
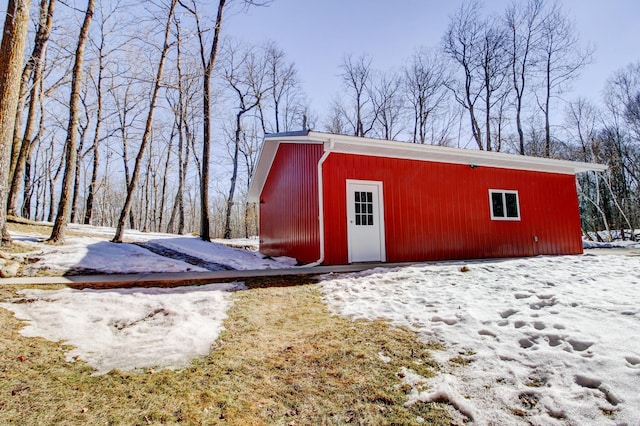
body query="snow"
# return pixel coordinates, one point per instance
(128, 329)
(251, 243)
(546, 340)
(218, 253)
(95, 253)
(610, 244)
(100, 256)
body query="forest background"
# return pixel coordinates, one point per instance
(150, 115)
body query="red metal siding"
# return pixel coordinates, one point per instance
(441, 211)
(289, 204)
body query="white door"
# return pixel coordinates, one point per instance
(365, 221)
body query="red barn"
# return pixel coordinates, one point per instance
(337, 199)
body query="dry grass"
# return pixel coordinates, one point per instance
(19, 224)
(283, 359)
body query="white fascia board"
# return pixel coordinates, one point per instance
(265, 161)
(440, 154)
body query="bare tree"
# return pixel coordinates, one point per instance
(524, 23)
(11, 57)
(208, 62)
(250, 148)
(492, 70)
(385, 94)
(284, 96)
(620, 142)
(336, 122)
(581, 119)
(562, 60)
(186, 92)
(356, 77)
(425, 90)
(64, 205)
(461, 43)
(127, 111)
(34, 67)
(146, 136)
(28, 180)
(244, 73)
(102, 53)
(83, 130)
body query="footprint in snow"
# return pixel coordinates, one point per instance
(521, 296)
(544, 296)
(539, 325)
(448, 321)
(526, 343)
(634, 361)
(579, 345)
(542, 304)
(485, 332)
(508, 313)
(594, 383)
(553, 340)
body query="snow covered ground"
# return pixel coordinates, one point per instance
(546, 340)
(95, 253)
(128, 329)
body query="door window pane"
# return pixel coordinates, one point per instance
(364, 208)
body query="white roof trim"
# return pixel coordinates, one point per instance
(403, 150)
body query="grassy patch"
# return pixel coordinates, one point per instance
(283, 359)
(22, 225)
(17, 248)
(463, 358)
(18, 224)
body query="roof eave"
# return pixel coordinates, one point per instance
(403, 150)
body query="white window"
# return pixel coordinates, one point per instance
(504, 204)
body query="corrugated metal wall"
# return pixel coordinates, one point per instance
(289, 204)
(441, 211)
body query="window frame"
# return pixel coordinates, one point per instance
(503, 193)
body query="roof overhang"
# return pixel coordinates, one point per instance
(392, 149)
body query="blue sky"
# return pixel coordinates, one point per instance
(316, 34)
